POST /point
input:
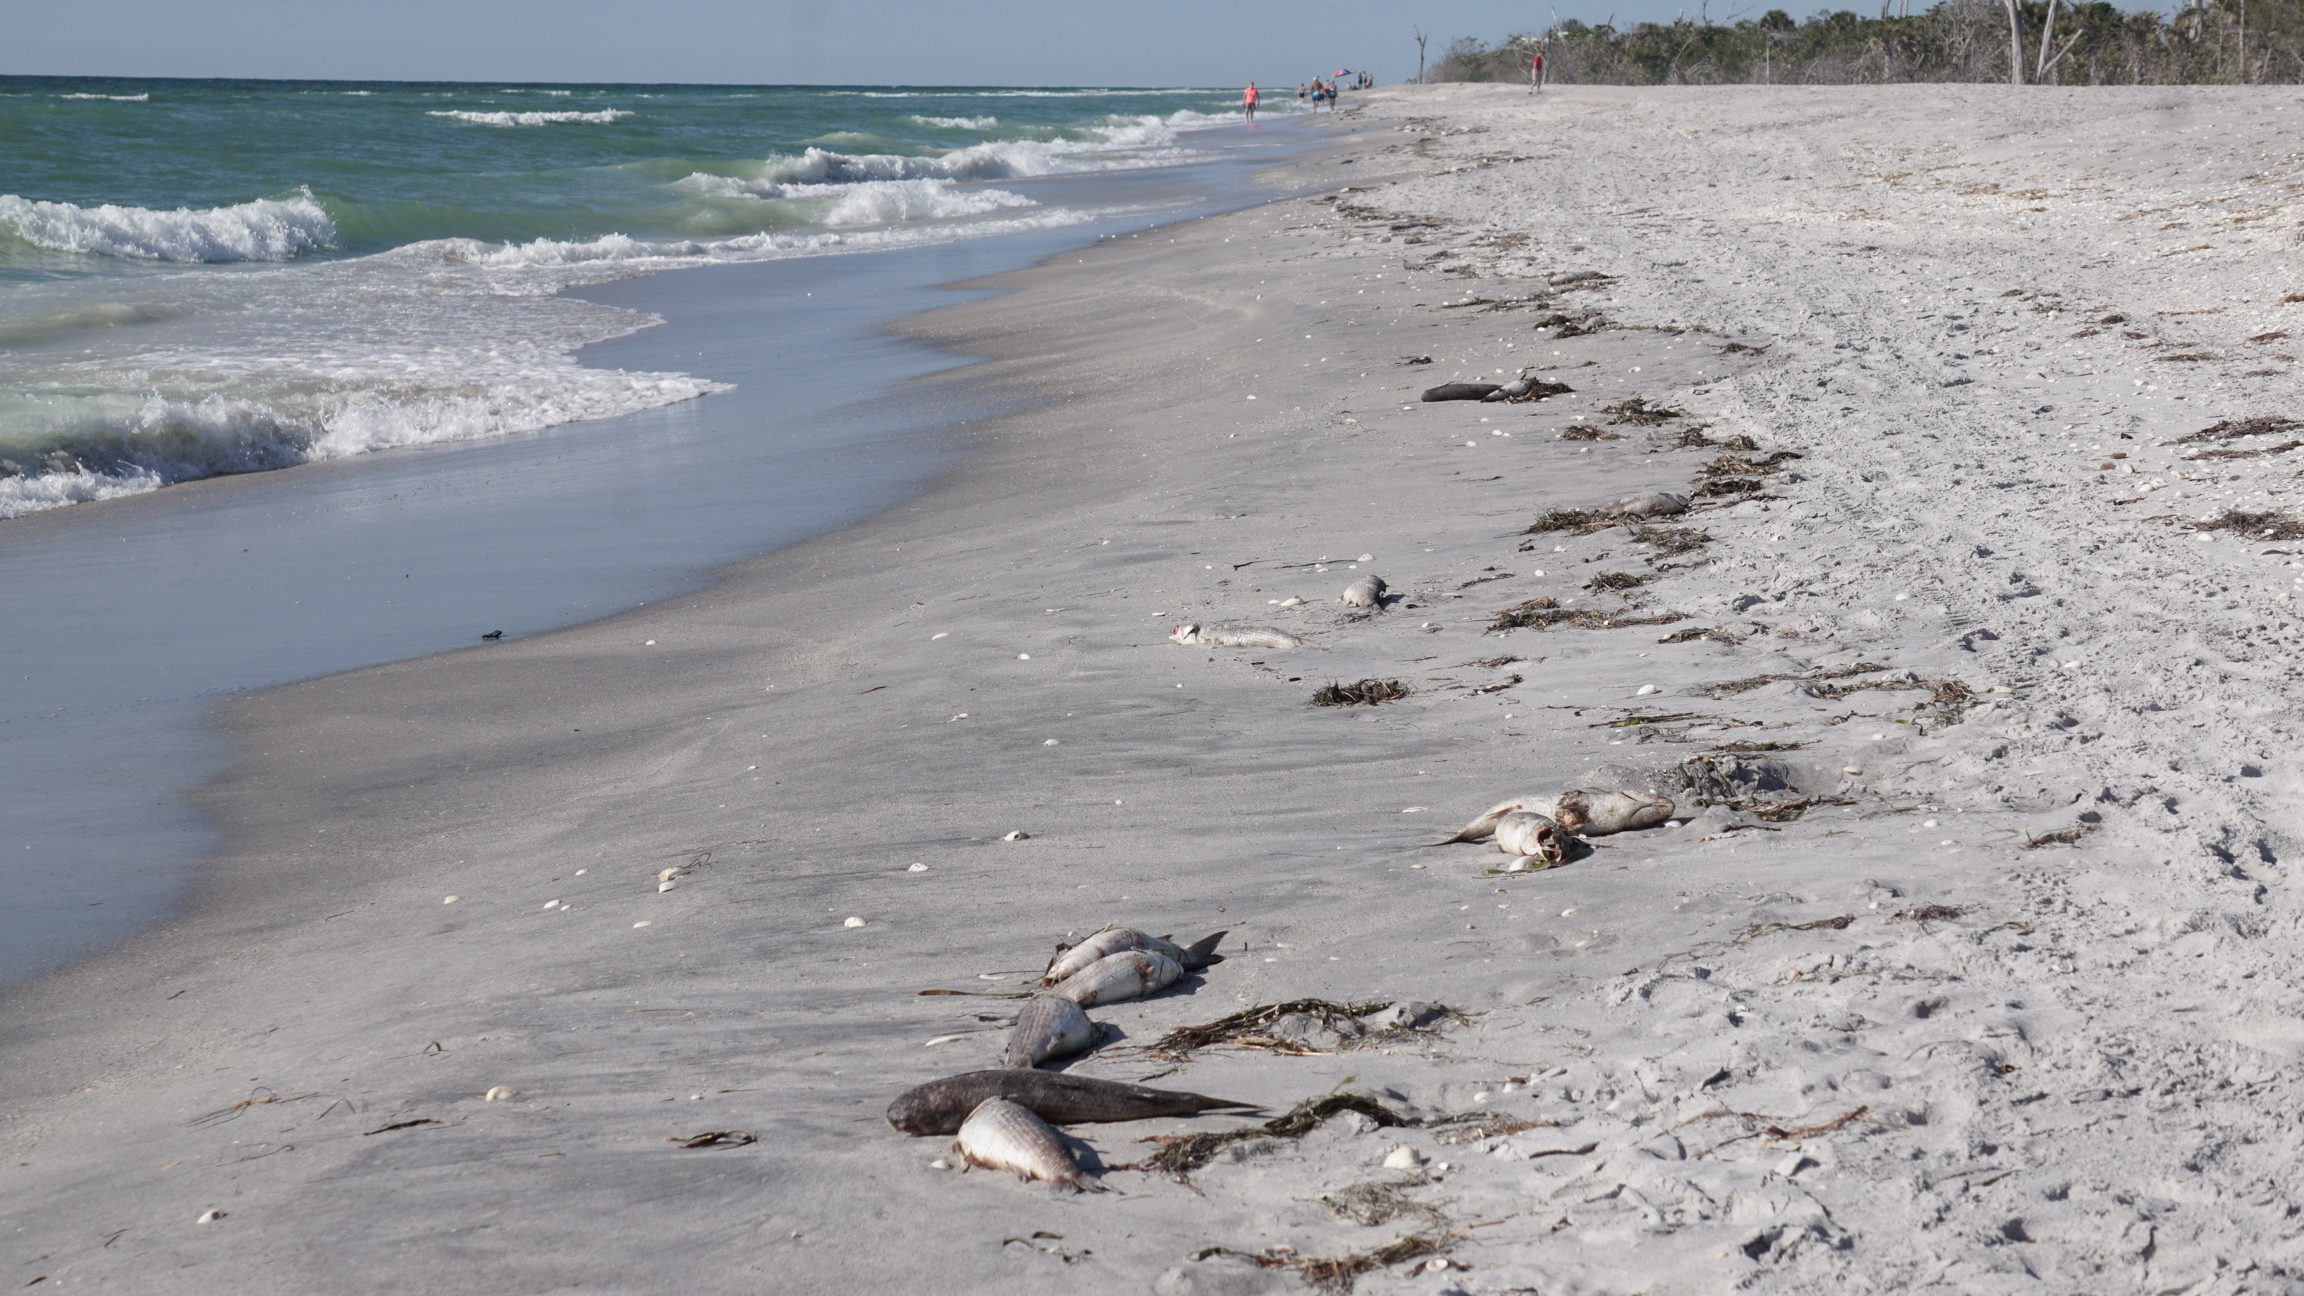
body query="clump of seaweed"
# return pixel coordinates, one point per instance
(1616, 582)
(1728, 488)
(1578, 521)
(1751, 682)
(1587, 432)
(1639, 413)
(1743, 348)
(1250, 1027)
(1527, 617)
(2255, 526)
(2061, 837)
(1929, 913)
(1367, 692)
(1380, 1201)
(1732, 466)
(1746, 748)
(1713, 633)
(1672, 541)
(1693, 438)
(1337, 1273)
(2235, 429)
(1181, 1154)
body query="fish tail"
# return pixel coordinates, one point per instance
(1203, 951)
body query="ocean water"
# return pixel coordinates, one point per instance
(200, 278)
(476, 320)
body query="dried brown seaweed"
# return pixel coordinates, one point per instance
(1729, 487)
(1577, 521)
(2255, 526)
(2061, 837)
(1586, 432)
(1616, 582)
(1524, 617)
(1672, 541)
(1367, 692)
(1637, 412)
(1750, 682)
(1337, 1273)
(1181, 1154)
(1254, 1023)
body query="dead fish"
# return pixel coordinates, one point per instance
(1526, 834)
(1366, 592)
(1660, 504)
(1112, 940)
(1460, 391)
(1116, 978)
(1234, 635)
(1002, 1135)
(939, 1106)
(1512, 390)
(1486, 823)
(1049, 1027)
(1597, 814)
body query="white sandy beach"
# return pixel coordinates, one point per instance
(1842, 1028)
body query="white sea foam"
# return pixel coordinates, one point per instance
(885, 202)
(134, 98)
(955, 123)
(534, 118)
(268, 229)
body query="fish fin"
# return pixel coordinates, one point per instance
(1203, 951)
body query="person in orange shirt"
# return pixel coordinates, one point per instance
(1248, 99)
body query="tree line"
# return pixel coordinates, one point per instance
(2052, 42)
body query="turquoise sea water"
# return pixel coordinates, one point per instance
(210, 277)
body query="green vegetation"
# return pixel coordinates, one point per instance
(2221, 42)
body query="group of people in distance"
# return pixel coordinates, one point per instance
(1318, 92)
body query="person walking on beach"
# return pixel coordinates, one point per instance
(1248, 101)
(1536, 72)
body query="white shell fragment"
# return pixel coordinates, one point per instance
(1366, 592)
(498, 1094)
(209, 1217)
(853, 922)
(1403, 1157)
(1018, 835)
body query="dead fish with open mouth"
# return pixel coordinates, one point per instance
(1116, 978)
(1049, 1027)
(939, 1106)
(1113, 940)
(1233, 635)
(1486, 823)
(1598, 814)
(1003, 1135)
(1526, 835)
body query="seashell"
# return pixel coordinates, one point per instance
(498, 1094)
(1366, 592)
(853, 922)
(209, 1217)
(1017, 835)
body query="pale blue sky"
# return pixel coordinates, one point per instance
(967, 42)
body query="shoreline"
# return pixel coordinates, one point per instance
(1784, 1043)
(268, 578)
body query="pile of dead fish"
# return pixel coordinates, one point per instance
(1535, 840)
(1005, 1117)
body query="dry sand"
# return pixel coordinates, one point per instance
(1882, 1045)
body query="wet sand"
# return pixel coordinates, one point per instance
(1843, 1024)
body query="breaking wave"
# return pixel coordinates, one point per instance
(268, 229)
(601, 117)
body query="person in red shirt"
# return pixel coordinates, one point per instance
(1248, 99)
(1536, 72)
